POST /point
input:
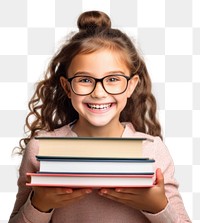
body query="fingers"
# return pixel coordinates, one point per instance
(45, 198)
(75, 195)
(123, 198)
(159, 177)
(132, 190)
(70, 193)
(61, 190)
(114, 194)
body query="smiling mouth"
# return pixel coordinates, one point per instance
(99, 107)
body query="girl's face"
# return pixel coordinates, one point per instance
(99, 108)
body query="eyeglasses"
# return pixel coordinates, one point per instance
(112, 84)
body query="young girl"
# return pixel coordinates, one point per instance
(97, 85)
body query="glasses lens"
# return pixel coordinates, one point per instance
(115, 84)
(83, 85)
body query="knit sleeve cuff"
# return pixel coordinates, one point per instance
(31, 214)
(167, 215)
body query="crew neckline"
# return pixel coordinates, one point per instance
(127, 127)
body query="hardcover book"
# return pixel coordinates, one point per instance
(90, 180)
(96, 165)
(90, 147)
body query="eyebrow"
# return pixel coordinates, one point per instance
(107, 73)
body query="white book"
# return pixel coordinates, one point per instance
(92, 165)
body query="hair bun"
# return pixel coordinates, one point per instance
(91, 20)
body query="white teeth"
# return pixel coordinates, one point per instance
(104, 106)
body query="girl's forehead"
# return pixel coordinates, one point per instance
(100, 57)
(103, 54)
(101, 62)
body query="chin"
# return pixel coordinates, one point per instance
(99, 122)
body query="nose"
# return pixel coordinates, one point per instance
(99, 91)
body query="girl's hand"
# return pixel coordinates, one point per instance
(152, 199)
(46, 198)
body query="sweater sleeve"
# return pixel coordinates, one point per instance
(23, 211)
(175, 211)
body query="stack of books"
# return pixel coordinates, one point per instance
(92, 162)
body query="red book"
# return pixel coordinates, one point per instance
(90, 180)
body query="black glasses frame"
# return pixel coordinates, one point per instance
(101, 81)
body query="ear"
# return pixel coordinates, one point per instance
(65, 85)
(132, 85)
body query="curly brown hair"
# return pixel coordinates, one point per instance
(50, 108)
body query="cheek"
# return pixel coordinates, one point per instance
(122, 100)
(75, 100)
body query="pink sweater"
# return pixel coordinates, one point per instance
(95, 208)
